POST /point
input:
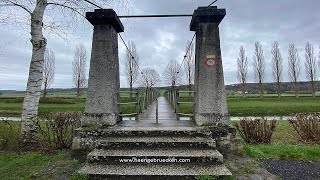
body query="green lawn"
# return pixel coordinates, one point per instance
(11, 106)
(26, 165)
(264, 107)
(284, 151)
(272, 106)
(15, 166)
(285, 144)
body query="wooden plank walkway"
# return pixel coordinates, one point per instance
(166, 117)
(165, 112)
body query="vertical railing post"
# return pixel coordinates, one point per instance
(157, 111)
(170, 97)
(174, 99)
(152, 95)
(146, 99)
(177, 104)
(142, 101)
(194, 106)
(138, 104)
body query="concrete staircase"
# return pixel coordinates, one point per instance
(157, 153)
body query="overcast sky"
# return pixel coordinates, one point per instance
(160, 40)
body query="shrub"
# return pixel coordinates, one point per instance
(59, 128)
(257, 130)
(9, 134)
(56, 101)
(307, 126)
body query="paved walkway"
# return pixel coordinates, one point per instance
(166, 117)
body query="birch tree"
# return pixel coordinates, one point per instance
(311, 68)
(48, 70)
(242, 73)
(294, 68)
(79, 68)
(277, 66)
(132, 64)
(259, 67)
(189, 65)
(34, 12)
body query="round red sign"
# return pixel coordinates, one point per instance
(211, 62)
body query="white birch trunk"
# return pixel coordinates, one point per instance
(29, 121)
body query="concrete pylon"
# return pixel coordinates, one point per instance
(104, 84)
(210, 98)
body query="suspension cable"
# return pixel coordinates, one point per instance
(93, 4)
(132, 56)
(186, 55)
(212, 3)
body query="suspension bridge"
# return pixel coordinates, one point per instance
(157, 143)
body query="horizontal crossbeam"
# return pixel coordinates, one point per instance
(128, 115)
(185, 103)
(183, 114)
(157, 16)
(128, 103)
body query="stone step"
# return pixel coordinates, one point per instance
(143, 131)
(164, 171)
(179, 155)
(150, 142)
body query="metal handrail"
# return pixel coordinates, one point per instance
(143, 98)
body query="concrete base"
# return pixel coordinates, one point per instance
(200, 145)
(205, 119)
(103, 119)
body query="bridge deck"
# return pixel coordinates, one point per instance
(166, 117)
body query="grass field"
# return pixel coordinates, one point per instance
(285, 144)
(269, 106)
(265, 107)
(11, 106)
(38, 165)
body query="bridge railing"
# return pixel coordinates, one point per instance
(141, 99)
(133, 99)
(178, 98)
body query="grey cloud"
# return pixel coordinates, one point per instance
(160, 40)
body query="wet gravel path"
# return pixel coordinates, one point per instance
(292, 169)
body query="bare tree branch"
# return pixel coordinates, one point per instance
(311, 67)
(242, 73)
(189, 65)
(79, 67)
(294, 68)
(36, 21)
(68, 7)
(259, 66)
(48, 70)
(149, 78)
(277, 66)
(18, 5)
(131, 64)
(171, 75)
